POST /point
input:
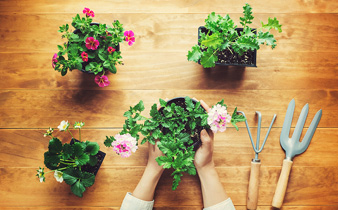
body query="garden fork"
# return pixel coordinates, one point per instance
(252, 199)
(292, 146)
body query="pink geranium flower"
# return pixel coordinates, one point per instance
(102, 81)
(124, 144)
(88, 12)
(129, 37)
(218, 118)
(110, 50)
(54, 60)
(92, 43)
(84, 56)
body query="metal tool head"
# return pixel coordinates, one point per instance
(256, 147)
(292, 146)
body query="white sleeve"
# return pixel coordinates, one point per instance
(224, 205)
(132, 203)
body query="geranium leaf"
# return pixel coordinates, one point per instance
(71, 175)
(92, 148)
(88, 179)
(51, 160)
(82, 160)
(78, 189)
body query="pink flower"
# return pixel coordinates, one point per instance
(102, 81)
(110, 50)
(124, 144)
(84, 56)
(92, 43)
(54, 60)
(88, 12)
(129, 37)
(218, 118)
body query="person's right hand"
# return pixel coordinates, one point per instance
(203, 156)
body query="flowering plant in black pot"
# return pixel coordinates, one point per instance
(221, 42)
(92, 47)
(77, 163)
(175, 125)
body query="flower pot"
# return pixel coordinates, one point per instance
(226, 58)
(84, 64)
(92, 169)
(180, 101)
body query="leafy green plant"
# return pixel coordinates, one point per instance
(176, 126)
(67, 161)
(92, 46)
(222, 35)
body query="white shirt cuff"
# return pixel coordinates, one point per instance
(224, 205)
(132, 203)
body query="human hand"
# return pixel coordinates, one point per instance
(204, 154)
(153, 153)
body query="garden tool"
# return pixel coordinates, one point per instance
(255, 163)
(292, 146)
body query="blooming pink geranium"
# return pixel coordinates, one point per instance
(110, 50)
(129, 37)
(124, 144)
(54, 60)
(92, 43)
(84, 56)
(102, 81)
(88, 12)
(218, 118)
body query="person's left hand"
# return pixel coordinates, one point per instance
(153, 153)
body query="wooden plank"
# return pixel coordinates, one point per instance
(171, 70)
(105, 108)
(173, 6)
(166, 32)
(308, 186)
(25, 148)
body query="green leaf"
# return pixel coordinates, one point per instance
(82, 160)
(213, 41)
(92, 160)
(78, 149)
(67, 151)
(163, 103)
(78, 189)
(139, 106)
(51, 160)
(55, 146)
(184, 137)
(195, 54)
(92, 148)
(247, 19)
(112, 69)
(177, 179)
(272, 23)
(60, 47)
(108, 141)
(208, 59)
(71, 175)
(106, 64)
(266, 38)
(235, 118)
(103, 56)
(88, 179)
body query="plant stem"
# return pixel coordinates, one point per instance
(70, 133)
(79, 134)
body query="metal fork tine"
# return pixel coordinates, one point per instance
(309, 134)
(300, 123)
(287, 122)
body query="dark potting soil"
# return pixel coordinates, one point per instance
(228, 57)
(180, 101)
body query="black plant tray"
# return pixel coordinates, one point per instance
(92, 169)
(232, 57)
(180, 101)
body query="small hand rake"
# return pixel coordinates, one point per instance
(292, 146)
(255, 163)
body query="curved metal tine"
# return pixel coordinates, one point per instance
(248, 128)
(258, 131)
(304, 144)
(287, 124)
(267, 134)
(300, 123)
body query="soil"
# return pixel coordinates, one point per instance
(180, 101)
(92, 169)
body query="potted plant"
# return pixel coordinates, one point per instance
(176, 126)
(92, 47)
(221, 42)
(77, 163)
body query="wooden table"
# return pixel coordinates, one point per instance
(33, 97)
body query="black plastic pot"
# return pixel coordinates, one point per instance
(252, 55)
(92, 169)
(180, 101)
(84, 64)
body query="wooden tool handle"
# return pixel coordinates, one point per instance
(252, 200)
(282, 184)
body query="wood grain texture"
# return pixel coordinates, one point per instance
(303, 66)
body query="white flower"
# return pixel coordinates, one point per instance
(78, 125)
(63, 125)
(58, 176)
(41, 174)
(49, 132)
